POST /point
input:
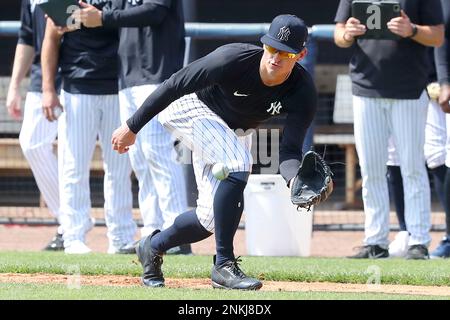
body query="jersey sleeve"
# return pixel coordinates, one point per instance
(304, 103)
(442, 54)
(430, 13)
(26, 26)
(213, 68)
(147, 14)
(343, 11)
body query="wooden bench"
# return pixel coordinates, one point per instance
(341, 134)
(12, 160)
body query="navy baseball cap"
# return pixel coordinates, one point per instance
(286, 33)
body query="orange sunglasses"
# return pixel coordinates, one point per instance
(282, 54)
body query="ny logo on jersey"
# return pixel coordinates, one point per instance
(134, 2)
(274, 108)
(284, 33)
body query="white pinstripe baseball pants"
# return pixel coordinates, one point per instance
(162, 187)
(435, 139)
(375, 120)
(87, 117)
(211, 141)
(36, 140)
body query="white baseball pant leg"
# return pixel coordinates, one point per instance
(435, 136)
(211, 141)
(162, 188)
(435, 139)
(36, 140)
(85, 118)
(376, 120)
(447, 145)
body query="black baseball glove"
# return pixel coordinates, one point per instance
(313, 183)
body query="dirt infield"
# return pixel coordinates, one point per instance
(127, 281)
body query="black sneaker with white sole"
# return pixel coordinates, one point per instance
(56, 244)
(417, 252)
(371, 252)
(229, 276)
(151, 263)
(184, 249)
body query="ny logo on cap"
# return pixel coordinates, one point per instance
(284, 33)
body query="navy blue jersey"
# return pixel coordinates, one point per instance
(443, 52)
(88, 58)
(151, 39)
(395, 69)
(228, 82)
(31, 33)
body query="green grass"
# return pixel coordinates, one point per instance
(340, 270)
(58, 292)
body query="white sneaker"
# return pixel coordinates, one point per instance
(399, 247)
(77, 247)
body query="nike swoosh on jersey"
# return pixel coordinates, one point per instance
(237, 94)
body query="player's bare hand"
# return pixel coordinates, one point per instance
(13, 103)
(444, 98)
(354, 28)
(90, 16)
(123, 138)
(401, 25)
(50, 101)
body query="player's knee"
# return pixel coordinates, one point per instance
(32, 151)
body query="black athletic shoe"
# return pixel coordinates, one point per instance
(230, 276)
(56, 244)
(417, 252)
(371, 252)
(151, 263)
(129, 248)
(184, 249)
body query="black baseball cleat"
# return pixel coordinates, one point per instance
(184, 249)
(56, 244)
(151, 263)
(417, 252)
(230, 276)
(371, 252)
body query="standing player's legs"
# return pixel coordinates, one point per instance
(371, 140)
(167, 175)
(434, 150)
(117, 180)
(147, 196)
(399, 246)
(78, 129)
(408, 130)
(395, 183)
(37, 136)
(443, 249)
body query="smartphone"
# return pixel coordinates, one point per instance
(375, 15)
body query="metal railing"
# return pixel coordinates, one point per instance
(201, 30)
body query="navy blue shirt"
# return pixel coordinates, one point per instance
(229, 83)
(395, 69)
(31, 33)
(151, 39)
(88, 58)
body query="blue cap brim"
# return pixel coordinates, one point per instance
(266, 39)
